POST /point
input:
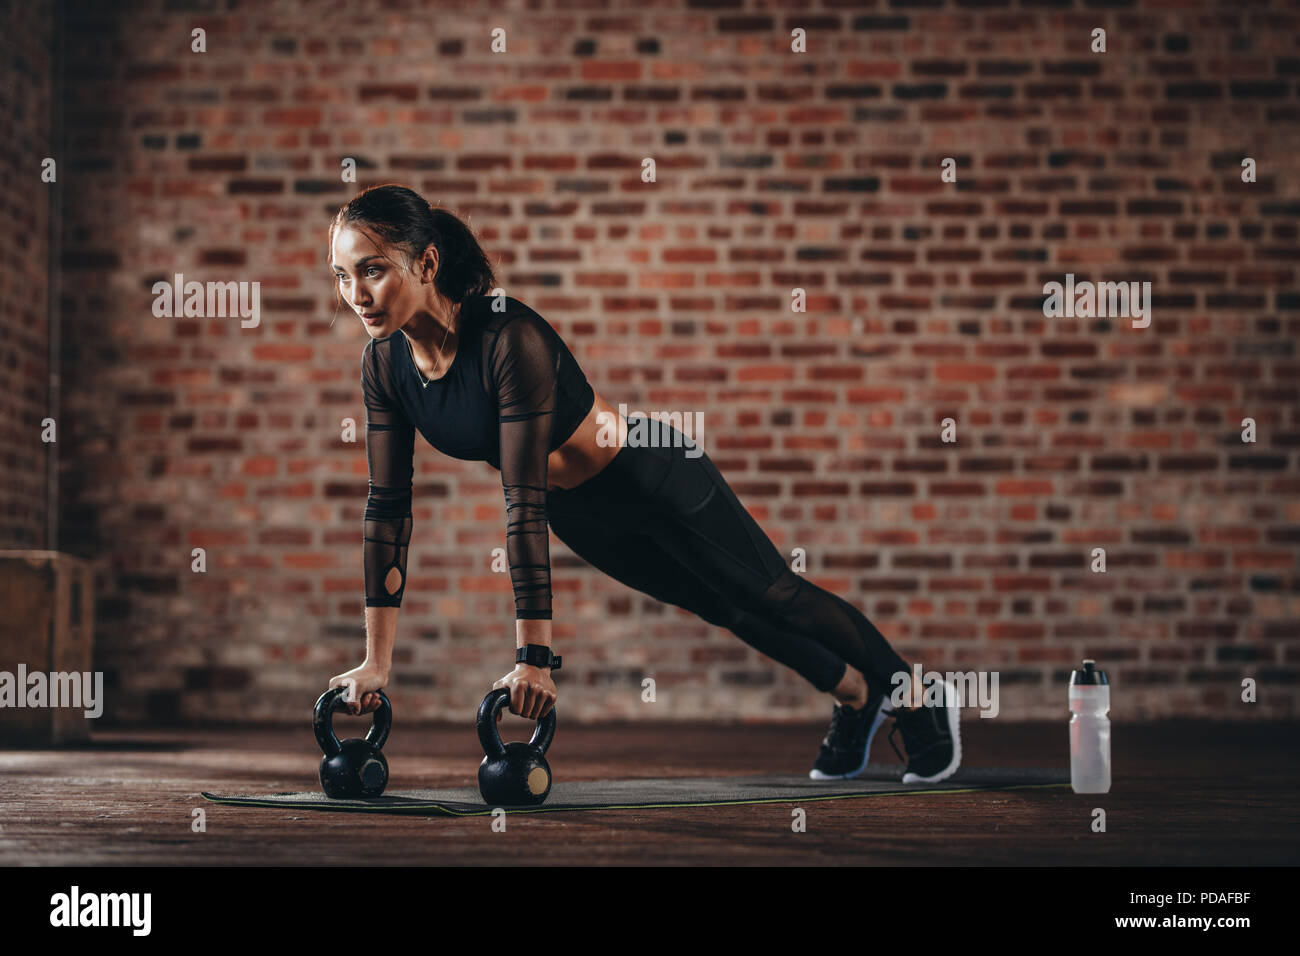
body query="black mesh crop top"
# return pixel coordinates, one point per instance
(512, 395)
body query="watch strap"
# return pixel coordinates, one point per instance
(537, 655)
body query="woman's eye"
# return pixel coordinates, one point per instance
(342, 278)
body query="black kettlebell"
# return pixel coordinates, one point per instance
(356, 767)
(513, 774)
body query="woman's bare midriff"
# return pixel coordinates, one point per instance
(582, 456)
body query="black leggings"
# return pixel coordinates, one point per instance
(670, 526)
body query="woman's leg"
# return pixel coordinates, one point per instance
(608, 540)
(708, 530)
(671, 526)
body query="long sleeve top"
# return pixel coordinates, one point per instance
(513, 394)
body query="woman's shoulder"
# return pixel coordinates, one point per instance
(377, 356)
(377, 350)
(507, 322)
(496, 312)
(377, 370)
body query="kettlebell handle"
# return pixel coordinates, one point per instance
(490, 737)
(336, 699)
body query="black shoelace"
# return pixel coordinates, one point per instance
(842, 721)
(913, 723)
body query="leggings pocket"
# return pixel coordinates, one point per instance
(687, 488)
(689, 481)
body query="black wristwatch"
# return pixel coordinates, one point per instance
(537, 655)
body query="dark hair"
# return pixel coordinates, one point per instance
(403, 218)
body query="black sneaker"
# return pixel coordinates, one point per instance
(845, 747)
(932, 737)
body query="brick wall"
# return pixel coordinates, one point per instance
(25, 129)
(775, 170)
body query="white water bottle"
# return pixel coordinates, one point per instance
(1089, 730)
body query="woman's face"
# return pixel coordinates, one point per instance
(382, 294)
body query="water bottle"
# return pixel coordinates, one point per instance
(1089, 730)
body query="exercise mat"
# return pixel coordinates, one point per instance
(878, 780)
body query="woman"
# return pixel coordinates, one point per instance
(485, 378)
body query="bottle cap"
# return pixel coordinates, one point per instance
(1089, 675)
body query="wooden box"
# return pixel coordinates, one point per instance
(47, 624)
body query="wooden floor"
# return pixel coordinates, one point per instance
(1184, 793)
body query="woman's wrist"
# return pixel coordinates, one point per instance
(532, 631)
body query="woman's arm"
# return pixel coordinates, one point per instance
(523, 363)
(390, 451)
(371, 674)
(532, 632)
(386, 527)
(381, 635)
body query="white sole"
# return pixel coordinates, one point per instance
(954, 728)
(881, 714)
